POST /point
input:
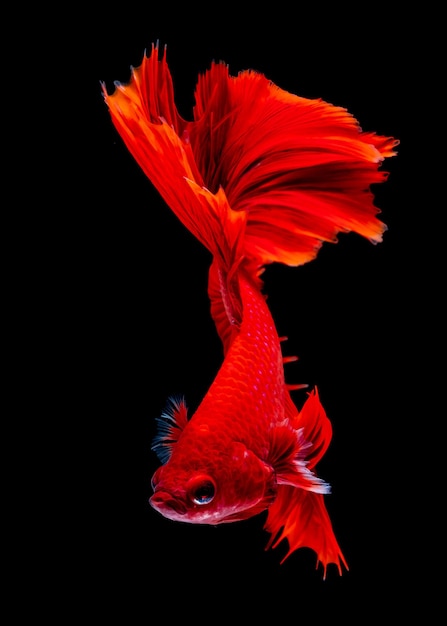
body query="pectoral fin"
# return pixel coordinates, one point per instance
(288, 457)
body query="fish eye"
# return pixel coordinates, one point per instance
(201, 489)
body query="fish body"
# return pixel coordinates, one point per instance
(259, 176)
(245, 427)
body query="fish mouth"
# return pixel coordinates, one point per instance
(167, 504)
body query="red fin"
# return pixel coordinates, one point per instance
(314, 424)
(144, 113)
(288, 457)
(299, 514)
(259, 173)
(297, 444)
(301, 169)
(301, 518)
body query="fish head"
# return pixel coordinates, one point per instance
(232, 485)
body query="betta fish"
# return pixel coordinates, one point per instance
(258, 176)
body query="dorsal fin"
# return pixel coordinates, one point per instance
(170, 425)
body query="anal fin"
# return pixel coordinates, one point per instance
(302, 519)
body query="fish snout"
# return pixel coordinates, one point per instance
(166, 503)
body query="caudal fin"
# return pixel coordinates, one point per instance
(260, 174)
(298, 170)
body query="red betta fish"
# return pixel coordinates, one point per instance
(259, 176)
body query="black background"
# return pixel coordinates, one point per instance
(135, 328)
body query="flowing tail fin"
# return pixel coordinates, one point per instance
(259, 174)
